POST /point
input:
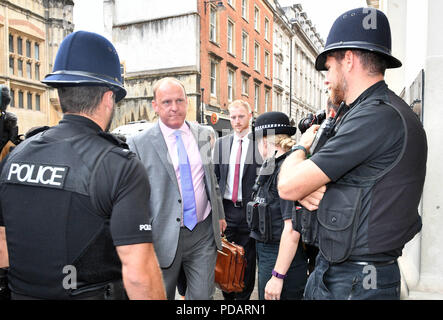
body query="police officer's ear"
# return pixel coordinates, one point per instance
(108, 98)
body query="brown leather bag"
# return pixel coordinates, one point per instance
(230, 267)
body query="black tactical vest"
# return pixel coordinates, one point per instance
(373, 215)
(55, 232)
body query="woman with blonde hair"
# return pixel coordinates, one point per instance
(269, 216)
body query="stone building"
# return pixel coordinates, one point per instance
(31, 31)
(308, 91)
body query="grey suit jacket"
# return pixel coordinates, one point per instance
(165, 199)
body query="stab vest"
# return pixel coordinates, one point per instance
(59, 239)
(361, 216)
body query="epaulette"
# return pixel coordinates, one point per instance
(33, 131)
(114, 139)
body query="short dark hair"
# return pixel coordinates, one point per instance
(81, 99)
(371, 61)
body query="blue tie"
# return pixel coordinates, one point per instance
(189, 207)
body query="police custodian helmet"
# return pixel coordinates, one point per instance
(363, 29)
(273, 121)
(87, 58)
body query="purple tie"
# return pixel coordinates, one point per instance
(189, 206)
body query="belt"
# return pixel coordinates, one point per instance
(373, 263)
(238, 204)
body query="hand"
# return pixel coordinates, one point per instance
(308, 137)
(312, 201)
(223, 225)
(273, 288)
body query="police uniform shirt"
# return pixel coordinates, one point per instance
(46, 225)
(368, 141)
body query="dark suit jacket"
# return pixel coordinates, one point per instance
(222, 152)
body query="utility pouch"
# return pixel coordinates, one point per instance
(338, 217)
(264, 222)
(305, 222)
(252, 215)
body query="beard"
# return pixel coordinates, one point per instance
(337, 93)
(110, 119)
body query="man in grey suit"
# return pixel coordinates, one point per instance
(185, 202)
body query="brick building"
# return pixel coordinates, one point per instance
(236, 56)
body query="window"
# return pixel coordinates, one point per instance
(267, 29)
(231, 76)
(20, 68)
(36, 51)
(28, 48)
(267, 59)
(267, 96)
(37, 72)
(37, 102)
(213, 25)
(256, 97)
(257, 19)
(29, 100)
(244, 47)
(244, 85)
(19, 46)
(11, 65)
(11, 43)
(213, 78)
(20, 99)
(244, 9)
(278, 101)
(12, 97)
(28, 70)
(257, 57)
(230, 37)
(277, 72)
(231, 3)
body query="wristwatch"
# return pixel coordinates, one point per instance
(278, 275)
(299, 147)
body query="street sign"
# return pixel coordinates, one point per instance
(214, 118)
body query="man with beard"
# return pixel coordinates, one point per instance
(373, 166)
(73, 198)
(236, 168)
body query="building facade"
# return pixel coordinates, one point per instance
(31, 31)
(309, 93)
(221, 50)
(236, 57)
(416, 40)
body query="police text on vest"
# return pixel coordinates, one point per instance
(37, 174)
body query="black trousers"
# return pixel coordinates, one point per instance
(237, 231)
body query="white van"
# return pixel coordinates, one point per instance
(133, 128)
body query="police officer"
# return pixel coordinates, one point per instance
(269, 216)
(374, 166)
(9, 136)
(72, 198)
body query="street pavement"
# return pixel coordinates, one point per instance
(219, 296)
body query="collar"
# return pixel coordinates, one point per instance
(169, 132)
(77, 119)
(369, 92)
(244, 138)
